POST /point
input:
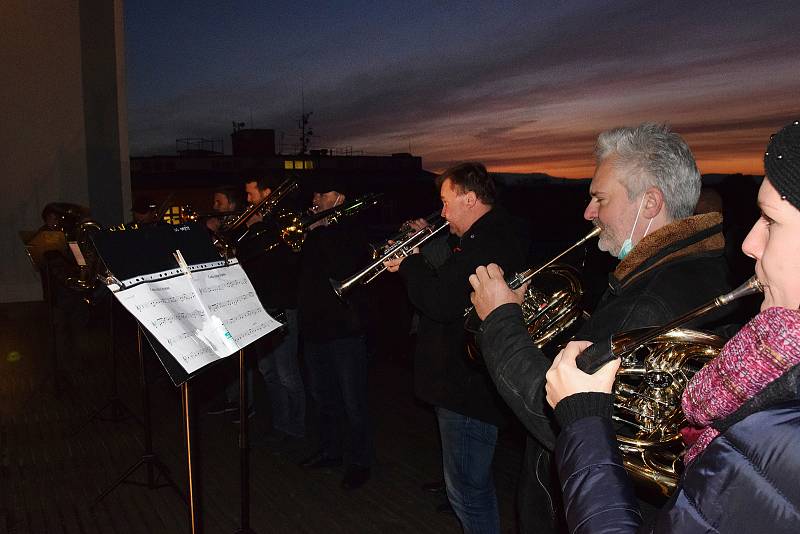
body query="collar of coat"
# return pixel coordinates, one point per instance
(699, 234)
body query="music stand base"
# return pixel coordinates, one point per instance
(150, 461)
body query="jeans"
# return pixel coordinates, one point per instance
(280, 368)
(467, 452)
(338, 373)
(281, 371)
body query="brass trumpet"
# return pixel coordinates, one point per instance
(388, 251)
(657, 363)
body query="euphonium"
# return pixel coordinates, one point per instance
(388, 251)
(657, 363)
(551, 303)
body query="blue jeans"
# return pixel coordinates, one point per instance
(338, 373)
(467, 452)
(278, 364)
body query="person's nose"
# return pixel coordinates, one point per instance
(590, 213)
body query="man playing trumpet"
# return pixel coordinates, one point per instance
(467, 407)
(643, 194)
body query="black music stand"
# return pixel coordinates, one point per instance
(149, 459)
(118, 412)
(122, 254)
(38, 245)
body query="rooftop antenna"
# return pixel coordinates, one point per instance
(305, 130)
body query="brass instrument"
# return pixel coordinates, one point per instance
(380, 249)
(73, 220)
(293, 227)
(551, 303)
(387, 251)
(657, 363)
(236, 229)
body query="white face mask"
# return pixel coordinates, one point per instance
(627, 245)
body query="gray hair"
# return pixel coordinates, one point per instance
(652, 155)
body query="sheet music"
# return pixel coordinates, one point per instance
(200, 318)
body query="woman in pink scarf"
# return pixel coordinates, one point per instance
(743, 459)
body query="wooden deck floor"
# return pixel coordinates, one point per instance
(55, 460)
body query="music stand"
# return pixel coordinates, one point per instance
(37, 245)
(118, 412)
(193, 314)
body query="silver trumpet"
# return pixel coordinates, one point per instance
(389, 251)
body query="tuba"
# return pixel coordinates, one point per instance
(551, 304)
(398, 246)
(656, 365)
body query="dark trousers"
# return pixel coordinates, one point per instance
(338, 378)
(539, 505)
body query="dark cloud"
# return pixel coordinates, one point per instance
(535, 95)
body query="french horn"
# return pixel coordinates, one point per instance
(656, 365)
(551, 304)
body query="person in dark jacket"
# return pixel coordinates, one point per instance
(334, 339)
(467, 407)
(743, 456)
(643, 194)
(272, 268)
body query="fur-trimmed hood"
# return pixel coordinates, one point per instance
(694, 235)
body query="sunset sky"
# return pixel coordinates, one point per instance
(521, 86)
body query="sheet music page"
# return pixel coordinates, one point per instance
(201, 318)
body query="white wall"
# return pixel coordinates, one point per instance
(62, 121)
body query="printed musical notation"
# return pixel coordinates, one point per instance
(191, 315)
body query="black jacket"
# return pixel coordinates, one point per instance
(330, 252)
(271, 266)
(442, 374)
(668, 273)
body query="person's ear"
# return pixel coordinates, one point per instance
(653, 202)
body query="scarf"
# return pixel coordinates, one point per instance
(761, 352)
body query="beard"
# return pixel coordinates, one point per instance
(606, 241)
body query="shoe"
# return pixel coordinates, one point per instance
(223, 407)
(320, 461)
(251, 411)
(355, 477)
(437, 487)
(445, 508)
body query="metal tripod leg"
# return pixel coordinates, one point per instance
(149, 459)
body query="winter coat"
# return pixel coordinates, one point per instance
(443, 375)
(669, 272)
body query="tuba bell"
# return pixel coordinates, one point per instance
(656, 365)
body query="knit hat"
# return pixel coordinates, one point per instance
(782, 162)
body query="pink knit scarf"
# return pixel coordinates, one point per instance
(767, 347)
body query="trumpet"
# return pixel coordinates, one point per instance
(388, 251)
(380, 249)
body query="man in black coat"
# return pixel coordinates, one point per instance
(643, 194)
(333, 336)
(467, 407)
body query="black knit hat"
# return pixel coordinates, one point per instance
(782, 162)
